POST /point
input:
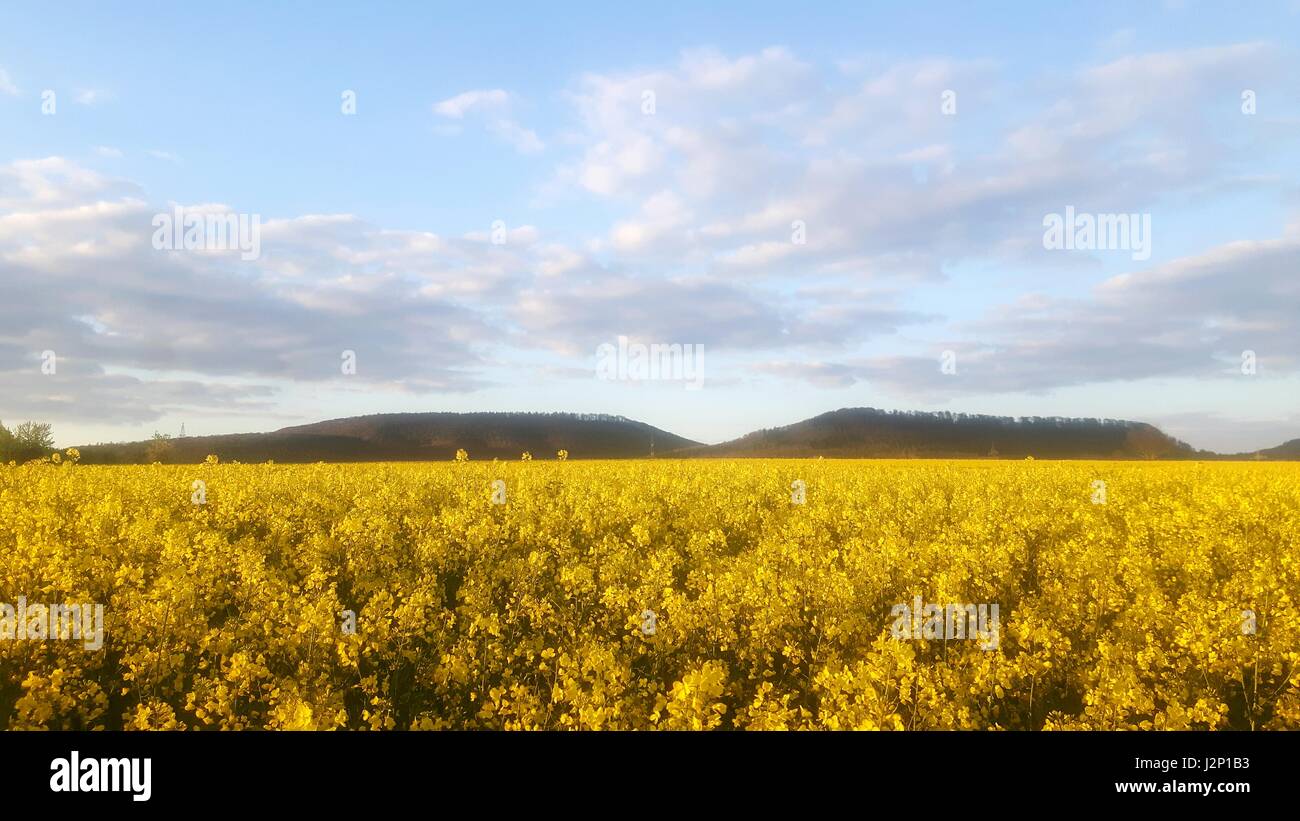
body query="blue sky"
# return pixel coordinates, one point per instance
(924, 227)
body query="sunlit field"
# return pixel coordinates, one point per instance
(756, 594)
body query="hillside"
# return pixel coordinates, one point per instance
(845, 433)
(415, 437)
(1283, 452)
(868, 432)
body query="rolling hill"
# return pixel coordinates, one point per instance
(845, 433)
(868, 432)
(1287, 451)
(414, 437)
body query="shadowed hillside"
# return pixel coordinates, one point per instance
(411, 437)
(845, 433)
(867, 432)
(1283, 452)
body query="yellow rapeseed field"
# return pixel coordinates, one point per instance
(656, 594)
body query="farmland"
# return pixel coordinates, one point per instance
(655, 594)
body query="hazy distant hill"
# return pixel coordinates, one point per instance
(867, 432)
(1285, 451)
(416, 436)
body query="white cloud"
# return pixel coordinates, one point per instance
(494, 106)
(662, 215)
(423, 310)
(75, 251)
(524, 140)
(457, 107)
(1191, 318)
(642, 130)
(7, 85)
(89, 96)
